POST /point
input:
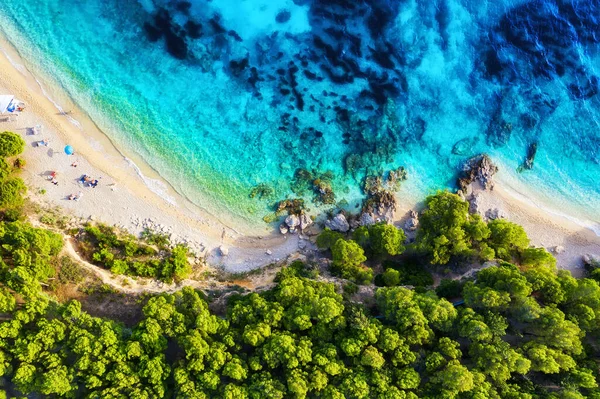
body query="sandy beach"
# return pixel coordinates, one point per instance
(123, 196)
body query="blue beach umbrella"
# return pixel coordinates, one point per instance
(69, 150)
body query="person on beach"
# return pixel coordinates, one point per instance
(43, 143)
(75, 197)
(53, 179)
(75, 163)
(94, 183)
(85, 179)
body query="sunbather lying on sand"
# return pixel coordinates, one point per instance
(75, 197)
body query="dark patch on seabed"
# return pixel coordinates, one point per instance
(352, 46)
(536, 44)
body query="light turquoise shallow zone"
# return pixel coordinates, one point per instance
(211, 139)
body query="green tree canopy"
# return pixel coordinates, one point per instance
(11, 144)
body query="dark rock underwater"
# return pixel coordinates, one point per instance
(354, 88)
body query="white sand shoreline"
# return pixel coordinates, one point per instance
(123, 197)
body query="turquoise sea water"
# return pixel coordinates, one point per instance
(221, 96)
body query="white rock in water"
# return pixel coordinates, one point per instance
(338, 223)
(292, 221)
(223, 250)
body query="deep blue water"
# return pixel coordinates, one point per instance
(221, 96)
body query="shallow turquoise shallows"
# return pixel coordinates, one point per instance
(222, 96)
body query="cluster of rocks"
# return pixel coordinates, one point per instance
(478, 169)
(531, 152)
(319, 183)
(380, 203)
(338, 223)
(413, 221)
(477, 205)
(262, 191)
(495, 213)
(591, 261)
(295, 223)
(152, 225)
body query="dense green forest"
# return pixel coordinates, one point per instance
(525, 330)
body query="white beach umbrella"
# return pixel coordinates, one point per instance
(5, 101)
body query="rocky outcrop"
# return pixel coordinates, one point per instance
(381, 201)
(531, 151)
(295, 223)
(480, 169)
(338, 223)
(223, 250)
(319, 183)
(495, 213)
(294, 206)
(413, 222)
(366, 219)
(591, 261)
(464, 146)
(283, 228)
(559, 249)
(305, 221)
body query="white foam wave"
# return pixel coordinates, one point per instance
(595, 227)
(19, 67)
(156, 186)
(58, 107)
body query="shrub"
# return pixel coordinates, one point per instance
(347, 253)
(327, 238)
(19, 163)
(4, 169)
(11, 144)
(350, 288)
(391, 277)
(442, 228)
(507, 238)
(348, 257)
(361, 237)
(70, 271)
(177, 264)
(13, 214)
(537, 257)
(386, 239)
(11, 192)
(595, 275)
(449, 289)
(154, 238)
(410, 273)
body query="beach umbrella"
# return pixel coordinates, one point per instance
(69, 150)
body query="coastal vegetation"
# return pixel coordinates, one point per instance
(519, 329)
(11, 144)
(519, 334)
(122, 253)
